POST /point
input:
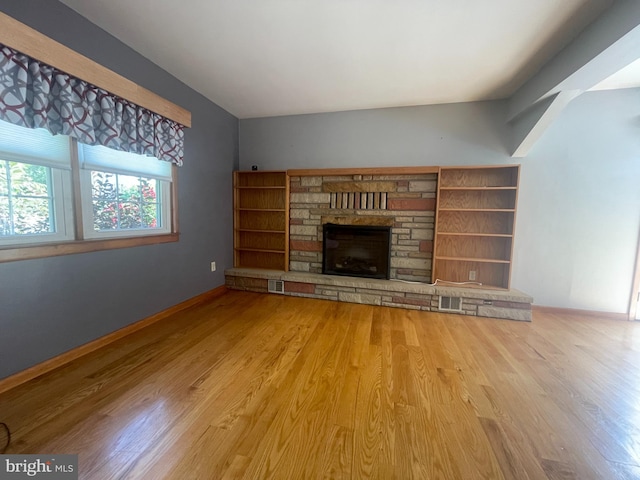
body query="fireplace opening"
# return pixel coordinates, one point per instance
(356, 251)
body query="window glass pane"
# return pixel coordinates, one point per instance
(130, 215)
(129, 189)
(26, 199)
(105, 215)
(5, 221)
(29, 180)
(103, 186)
(124, 202)
(149, 189)
(31, 215)
(4, 184)
(151, 207)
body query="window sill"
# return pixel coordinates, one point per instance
(12, 254)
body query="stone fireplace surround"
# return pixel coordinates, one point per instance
(404, 202)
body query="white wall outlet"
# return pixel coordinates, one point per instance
(472, 275)
(213, 266)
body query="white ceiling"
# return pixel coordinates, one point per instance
(275, 57)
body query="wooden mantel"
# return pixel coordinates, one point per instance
(310, 172)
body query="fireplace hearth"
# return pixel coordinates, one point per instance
(356, 250)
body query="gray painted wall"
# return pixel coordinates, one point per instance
(462, 133)
(51, 305)
(579, 203)
(579, 207)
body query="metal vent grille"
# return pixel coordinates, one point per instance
(359, 200)
(275, 286)
(451, 304)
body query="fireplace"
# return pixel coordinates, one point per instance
(356, 251)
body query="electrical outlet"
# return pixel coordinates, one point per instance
(213, 266)
(472, 275)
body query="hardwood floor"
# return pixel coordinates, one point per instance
(264, 386)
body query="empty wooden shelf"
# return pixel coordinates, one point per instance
(475, 220)
(261, 220)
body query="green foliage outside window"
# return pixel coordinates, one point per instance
(124, 202)
(120, 202)
(25, 199)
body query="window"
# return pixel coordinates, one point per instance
(27, 206)
(119, 194)
(123, 203)
(35, 186)
(123, 194)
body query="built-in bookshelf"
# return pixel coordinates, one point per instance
(261, 220)
(475, 220)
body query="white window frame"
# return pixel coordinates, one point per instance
(62, 214)
(87, 209)
(62, 195)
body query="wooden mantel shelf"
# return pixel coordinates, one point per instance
(311, 172)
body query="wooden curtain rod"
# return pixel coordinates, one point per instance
(25, 39)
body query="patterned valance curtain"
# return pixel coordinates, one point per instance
(36, 95)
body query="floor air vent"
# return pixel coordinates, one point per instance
(450, 304)
(275, 286)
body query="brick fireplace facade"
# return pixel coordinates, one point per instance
(406, 203)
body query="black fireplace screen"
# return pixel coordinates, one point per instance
(356, 251)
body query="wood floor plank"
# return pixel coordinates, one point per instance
(335, 462)
(393, 383)
(256, 386)
(367, 432)
(512, 465)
